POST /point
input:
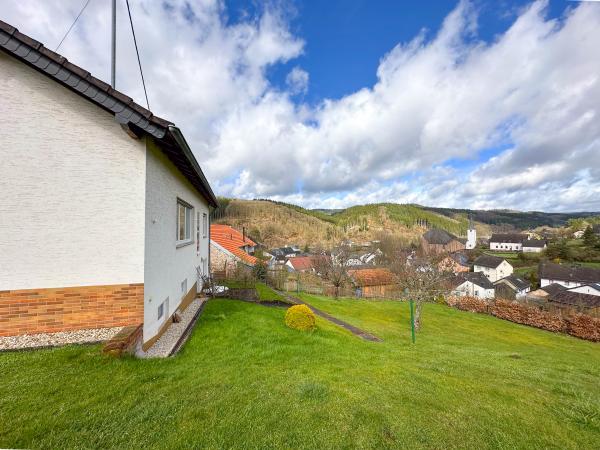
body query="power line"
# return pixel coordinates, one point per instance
(72, 25)
(137, 52)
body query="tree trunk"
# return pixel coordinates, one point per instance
(418, 308)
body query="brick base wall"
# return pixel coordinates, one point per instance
(32, 311)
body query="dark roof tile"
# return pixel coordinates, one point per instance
(516, 281)
(508, 237)
(488, 261)
(561, 272)
(477, 278)
(438, 236)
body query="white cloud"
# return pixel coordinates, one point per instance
(534, 91)
(297, 80)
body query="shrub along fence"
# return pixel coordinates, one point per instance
(556, 320)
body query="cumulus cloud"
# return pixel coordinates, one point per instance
(451, 120)
(297, 80)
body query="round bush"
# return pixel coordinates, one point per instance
(300, 317)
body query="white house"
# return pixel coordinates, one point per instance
(567, 276)
(493, 267)
(474, 284)
(104, 211)
(589, 289)
(533, 245)
(507, 241)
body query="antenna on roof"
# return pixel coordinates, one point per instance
(113, 47)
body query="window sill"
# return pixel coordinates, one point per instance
(183, 244)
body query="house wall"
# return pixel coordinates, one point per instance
(506, 246)
(221, 261)
(71, 209)
(586, 290)
(450, 247)
(533, 249)
(166, 264)
(33, 311)
(569, 284)
(503, 270)
(383, 291)
(471, 290)
(72, 188)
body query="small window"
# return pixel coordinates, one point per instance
(184, 221)
(204, 225)
(163, 308)
(184, 286)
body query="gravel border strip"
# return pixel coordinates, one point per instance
(61, 338)
(169, 340)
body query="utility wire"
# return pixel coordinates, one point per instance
(72, 25)
(137, 52)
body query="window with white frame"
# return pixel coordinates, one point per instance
(204, 225)
(185, 218)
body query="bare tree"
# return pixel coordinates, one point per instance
(334, 268)
(421, 280)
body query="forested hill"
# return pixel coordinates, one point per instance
(276, 223)
(521, 220)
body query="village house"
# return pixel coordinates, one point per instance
(455, 262)
(516, 242)
(104, 208)
(473, 284)
(301, 263)
(533, 245)
(364, 258)
(437, 241)
(493, 267)
(507, 241)
(589, 289)
(512, 287)
(567, 276)
(228, 249)
(576, 299)
(373, 282)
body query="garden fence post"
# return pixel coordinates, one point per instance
(412, 320)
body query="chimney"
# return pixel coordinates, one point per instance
(243, 234)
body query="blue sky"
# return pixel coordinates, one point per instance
(350, 37)
(468, 104)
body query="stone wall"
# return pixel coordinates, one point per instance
(221, 262)
(33, 311)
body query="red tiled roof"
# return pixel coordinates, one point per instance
(302, 262)
(372, 277)
(232, 240)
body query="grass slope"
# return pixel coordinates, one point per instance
(244, 380)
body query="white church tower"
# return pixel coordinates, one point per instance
(471, 236)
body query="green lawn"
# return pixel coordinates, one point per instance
(505, 255)
(244, 380)
(265, 293)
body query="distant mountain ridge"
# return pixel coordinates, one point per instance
(277, 223)
(521, 220)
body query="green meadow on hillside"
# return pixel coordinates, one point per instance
(244, 380)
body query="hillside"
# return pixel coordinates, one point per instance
(521, 220)
(276, 224)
